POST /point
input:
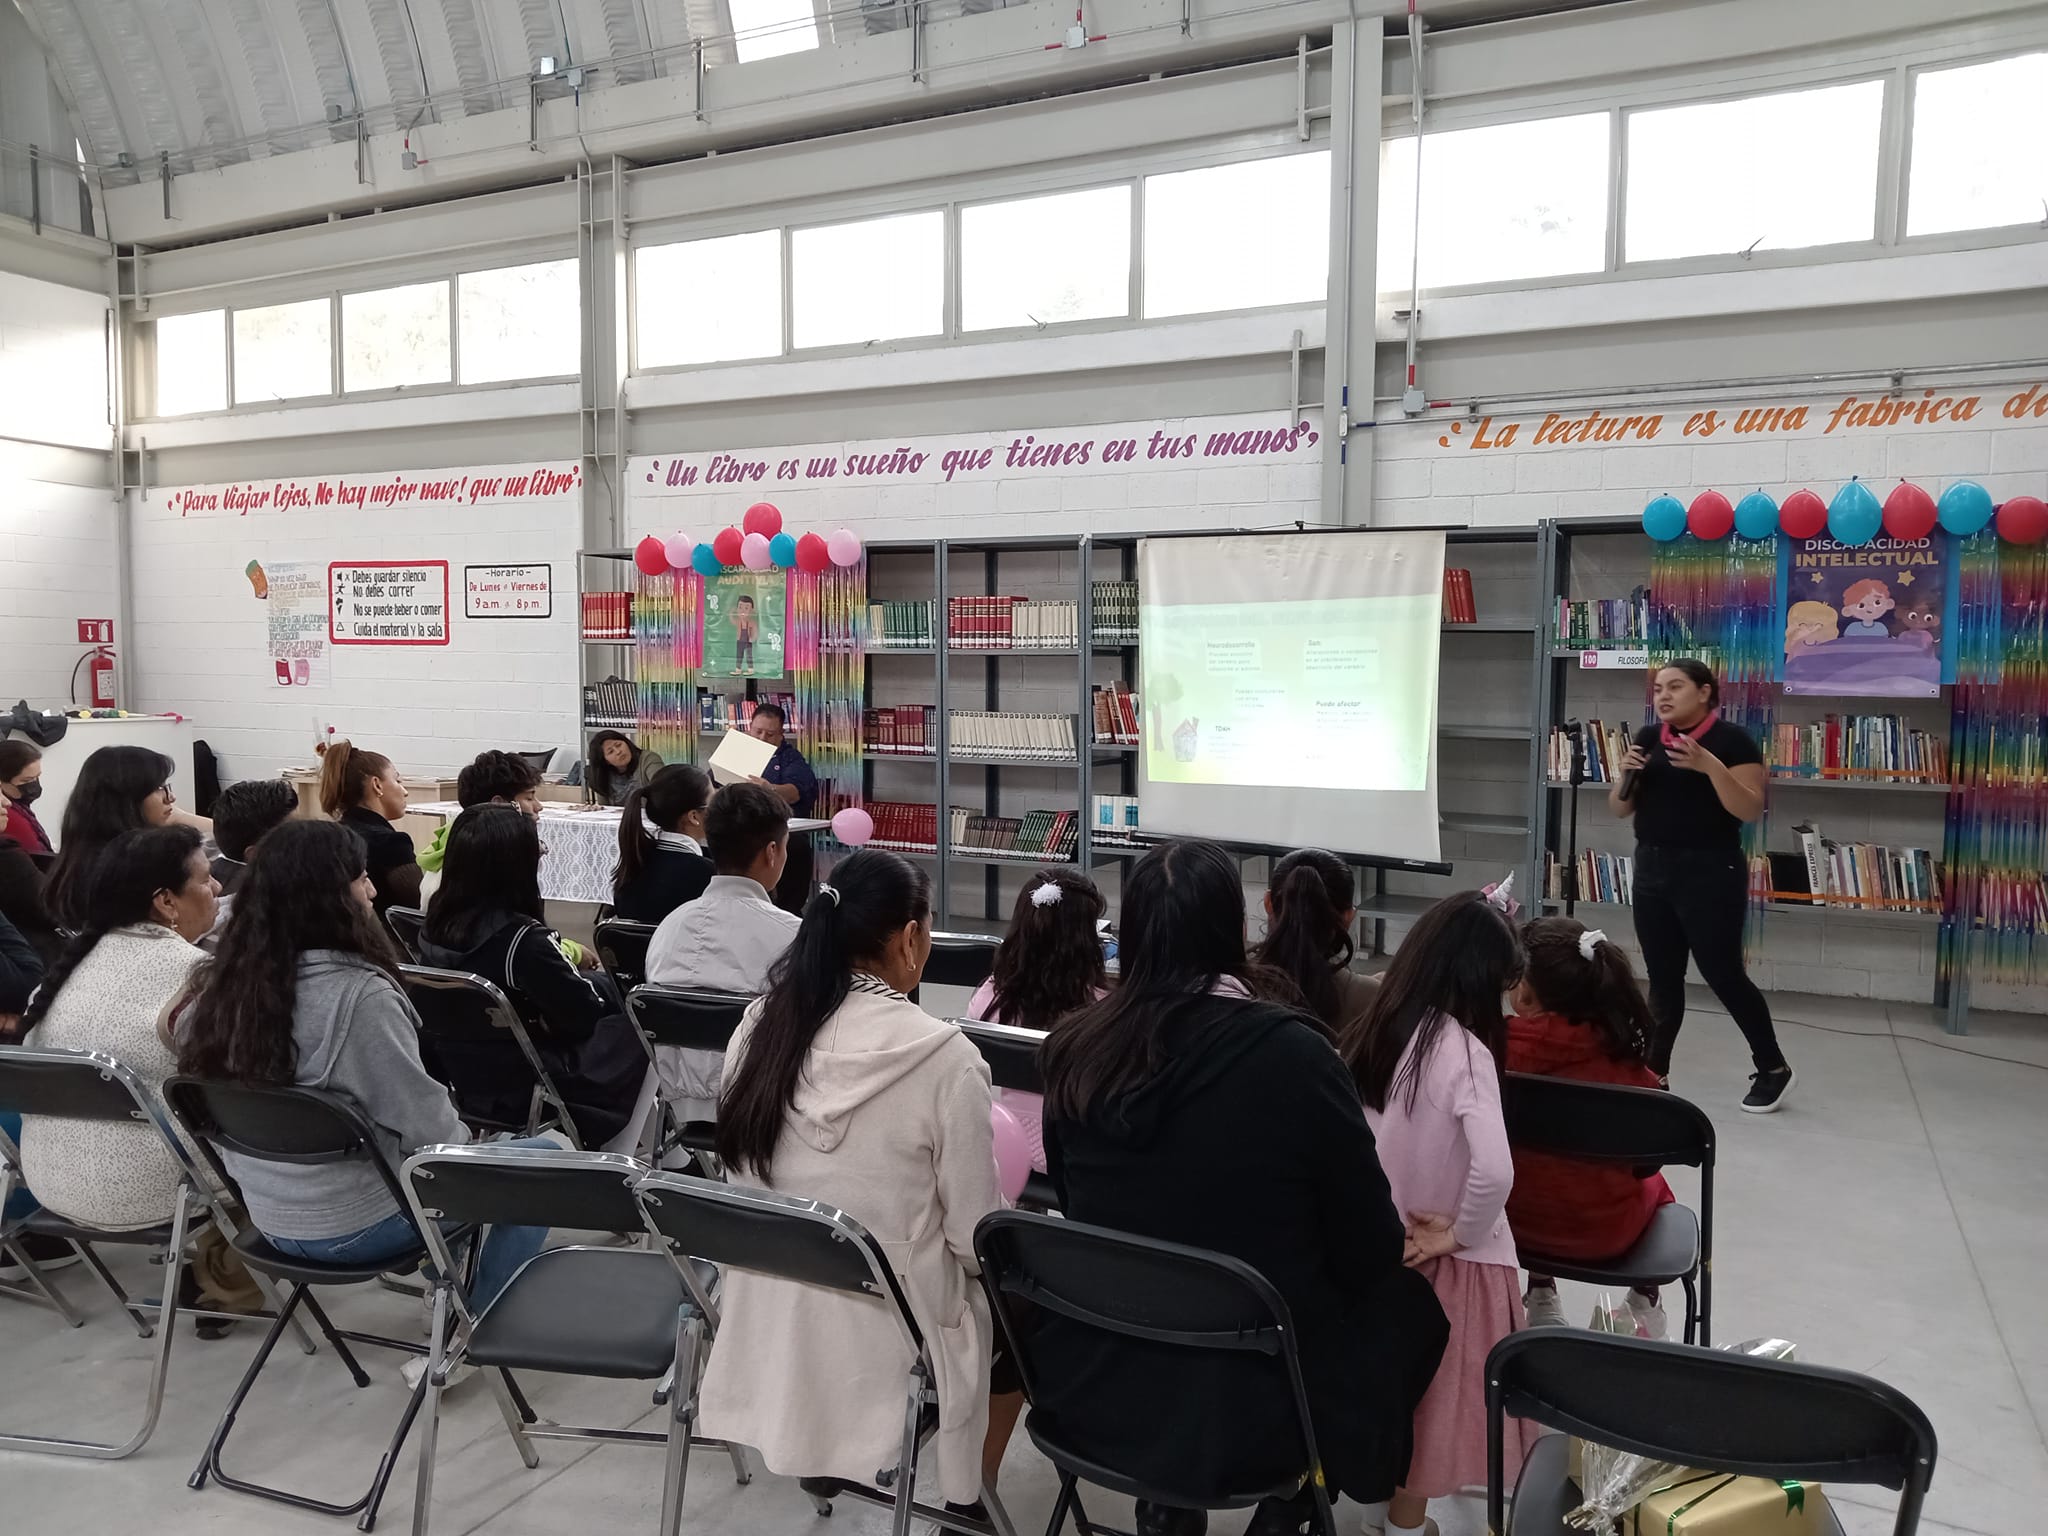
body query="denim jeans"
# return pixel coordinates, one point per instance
(21, 1202)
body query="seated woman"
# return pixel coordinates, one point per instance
(616, 767)
(487, 919)
(21, 785)
(119, 789)
(838, 1088)
(1309, 912)
(1050, 965)
(662, 863)
(1145, 1091)
(363, 792)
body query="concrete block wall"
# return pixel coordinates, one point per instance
(58, 564)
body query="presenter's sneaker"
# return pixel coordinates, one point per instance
(1545, 1308)
(1767, 1091)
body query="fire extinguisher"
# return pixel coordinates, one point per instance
(102, 678)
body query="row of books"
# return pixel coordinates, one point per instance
(719, 712)
(1859, 747)
(898, 626)
(1042, 738)
(1116, 818)
(612, 702)
(1010, 624)
(1608, 877)
(1049, 837)
(1582, 620)
(1116, 715)
(900, 729)
(607, 615)
(1825, 873)
(1605, 746)
(1116, 612)
(1461, 606)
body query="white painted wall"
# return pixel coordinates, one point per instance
(57, 565)
(53, 363)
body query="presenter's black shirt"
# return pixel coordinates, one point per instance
(1677, 807)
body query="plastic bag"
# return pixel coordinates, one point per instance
(1613, 1482)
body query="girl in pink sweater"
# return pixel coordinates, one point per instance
(1425, 1060)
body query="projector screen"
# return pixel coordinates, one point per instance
(1288, 683)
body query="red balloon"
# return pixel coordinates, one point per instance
(650, 557)
(1710, 516)
(762, 518)
(1803, 515)
(2023, 520)
(727, 546)
(1909, 513)
(811, 553)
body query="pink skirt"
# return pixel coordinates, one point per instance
(1484, 1305)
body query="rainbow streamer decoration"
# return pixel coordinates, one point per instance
(826, 650)
(668, 650)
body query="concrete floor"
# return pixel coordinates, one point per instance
(1893, 1220)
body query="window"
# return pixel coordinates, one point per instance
(764, 29)
(1514, 200)
(1238, 236)
(709, 301)
(192, 363)
(394, 338)
(1766, 173)
(872, 281)
(520, 322)
(1042, 260)
(1978, 159)
(283, 352)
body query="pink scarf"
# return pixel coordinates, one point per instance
(1670, 737)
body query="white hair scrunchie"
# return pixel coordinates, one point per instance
(1589, 941)
(1047, 895)
(826, 890)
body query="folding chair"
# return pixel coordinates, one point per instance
(629, 1315)
(1012, 1057)
(691, 1019)
(960, 960)
(1698, 1408)
(1646, 1128)
(296, 1127)
(406, 925)
(470, 1038)
(622, 949)
(765, 1233)
(89, 1085)
(1145, 1292)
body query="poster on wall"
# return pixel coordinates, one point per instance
(743, 623)
(508, 591)
(388, 602)
(1866, 621)
(296, 594)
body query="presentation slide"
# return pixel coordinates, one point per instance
(1302, 663)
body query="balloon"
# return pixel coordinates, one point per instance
(754, 552)
(1854, 515)
(1013, 1152)
(811, 554)
(1803, 515)
(727, 546)
(1909, 513)
(762, 518)
(1965, 507)
(853, 827)
(1756, 516)
(2023, 520)
(650, 557)
(1710, 516)
(843, 546)
(704, 561)
(782, 550)
(678, 550)
(1664, 519)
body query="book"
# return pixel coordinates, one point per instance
(1583, 621)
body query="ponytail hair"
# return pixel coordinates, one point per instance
(664, 800)
(345, 774)
(1308, 938)
(1599, 993)
(120, 894)
(873, 896)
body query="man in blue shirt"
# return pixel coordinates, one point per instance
(789, 777)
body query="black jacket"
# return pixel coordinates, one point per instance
(393, 863)
(1250, 1141)
(20, 968)
(669, 878)
(21, 901)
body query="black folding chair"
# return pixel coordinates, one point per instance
(1734, 1414)
(691, 1019)
(406, 925)
(1012, 1057)
(756, 1230)
(90, 1085)
(629, 1315)
(1645, 1128)
(622, 949)
(960, 960)
(296, 1127)
(1139, 1290)
(470, 1037)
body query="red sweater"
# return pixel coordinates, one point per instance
(1561, 1205)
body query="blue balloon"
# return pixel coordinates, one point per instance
(1965, 508)
(1664, 519)
(1854, 516)
(1756, 516)
(782, 550)
(704, 562)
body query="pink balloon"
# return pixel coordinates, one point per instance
(763, 518)
(679, 547)
(1013, 1152)
(853, 827)
(844, 546)
(754, 552)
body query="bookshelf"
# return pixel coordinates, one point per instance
(605, 581)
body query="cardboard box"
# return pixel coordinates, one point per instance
(1716, 1504)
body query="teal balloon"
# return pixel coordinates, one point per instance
(782, 550)
(1664, 519)
(1854, 516)
(1965, 508)
(704, 562)
(1756, 516)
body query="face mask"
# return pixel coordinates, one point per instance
(30, 792)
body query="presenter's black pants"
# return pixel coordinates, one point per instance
(1691, 903)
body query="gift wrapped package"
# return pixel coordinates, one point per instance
(1716, 1504)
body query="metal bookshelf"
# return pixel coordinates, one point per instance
(600, 570)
